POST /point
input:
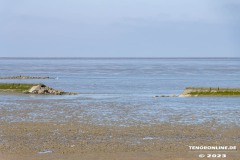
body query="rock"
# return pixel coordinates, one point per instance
(34, 88)
(43, 89)
(164, 96)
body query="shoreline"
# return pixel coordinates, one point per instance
(28, 88)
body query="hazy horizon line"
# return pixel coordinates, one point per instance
(111, 57)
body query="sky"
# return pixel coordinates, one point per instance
(119, 28)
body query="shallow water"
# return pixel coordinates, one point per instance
(121, 91)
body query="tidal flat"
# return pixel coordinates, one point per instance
(70, 141)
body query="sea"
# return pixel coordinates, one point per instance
(122, 91)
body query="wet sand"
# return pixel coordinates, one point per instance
(74, 141)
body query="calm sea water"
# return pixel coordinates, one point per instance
(121, 91)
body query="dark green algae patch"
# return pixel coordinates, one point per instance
(18, 87)
(203, 91)
(220, 93)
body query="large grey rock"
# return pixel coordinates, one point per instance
(34, 88)
(42, 89)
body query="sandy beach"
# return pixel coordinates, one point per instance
(73, 141)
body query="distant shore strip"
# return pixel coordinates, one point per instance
(24, 77)
(209, 91)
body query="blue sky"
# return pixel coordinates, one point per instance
(126, 28)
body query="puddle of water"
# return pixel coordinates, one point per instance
(149, 138)
(45, 152)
